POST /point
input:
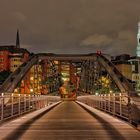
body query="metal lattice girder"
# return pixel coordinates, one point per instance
(90, 71)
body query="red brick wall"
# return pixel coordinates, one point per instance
(5, 64)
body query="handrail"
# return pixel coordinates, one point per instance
(116, 104)
(19, 104)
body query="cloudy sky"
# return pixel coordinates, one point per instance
(71, 26)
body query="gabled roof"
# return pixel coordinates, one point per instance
(7, 47)
(13, 49)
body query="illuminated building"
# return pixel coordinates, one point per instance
(138, 41)
(4, 57)
(135, 63)
(11, 56)
(123, 65)
(16, 57)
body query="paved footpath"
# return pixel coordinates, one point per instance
(69, 121)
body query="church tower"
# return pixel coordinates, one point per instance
(138, 41)
(17, 40)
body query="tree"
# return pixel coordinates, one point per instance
(4, 75)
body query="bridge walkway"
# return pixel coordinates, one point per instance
(69, 121)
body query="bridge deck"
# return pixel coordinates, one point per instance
(69, 121)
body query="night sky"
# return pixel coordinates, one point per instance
(71, 26)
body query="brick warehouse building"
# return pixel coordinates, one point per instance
(11, 56)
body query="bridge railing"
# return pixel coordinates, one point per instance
(16, 104)
(116, 105)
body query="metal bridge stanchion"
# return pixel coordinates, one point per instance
(29, 101)
(105, 102)
(36, 102)
(12, 104)
(40, 102)
(114, 102)
(101, 102)
(25, 103)
(120, 104)
(92, 103)
(109, 103)
(129, 110)
(98, 105)
(43, 101)
(96, 101)
(2, 106)
(19, 104)
(47, 101)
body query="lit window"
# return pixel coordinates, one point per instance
(1, 52)
(1, 59)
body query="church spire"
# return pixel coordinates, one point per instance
(17, 40)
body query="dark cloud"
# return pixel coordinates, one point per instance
(71, 26)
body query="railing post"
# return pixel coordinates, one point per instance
(129, 110)
(19, 104)
(114, 102)
(36, 102)
(95, 101)
(120, 104)
(40, 100)
(101, 102)
(24, 102)
(105, 102)
(12, 104)
(109, 103)
(2, 106)
(29, 101)
(46, 101)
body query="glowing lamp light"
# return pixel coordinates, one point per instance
(31, 90)
(110, 91)
(16, 90)
(65, 79)
(32, 78)
(96, 93)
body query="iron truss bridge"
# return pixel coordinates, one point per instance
(90, 78)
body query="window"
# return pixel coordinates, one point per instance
(1, 59)
(1, 52)
(15, 65)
